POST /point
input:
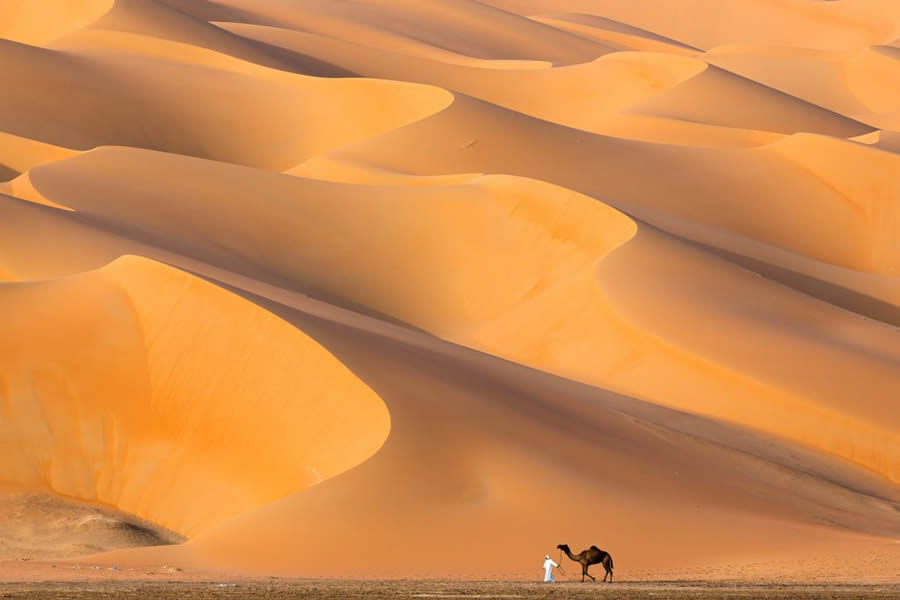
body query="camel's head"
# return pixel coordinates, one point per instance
(563, 547)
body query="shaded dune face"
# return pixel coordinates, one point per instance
(114, 391)
(423, 288)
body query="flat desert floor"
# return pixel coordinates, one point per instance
(430, 289)
(436, 590)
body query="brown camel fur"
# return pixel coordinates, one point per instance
(591, 556)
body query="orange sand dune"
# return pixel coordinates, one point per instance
(451, 281)
(112, 98)
(75, 349)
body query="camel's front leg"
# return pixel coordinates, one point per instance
(594, 579)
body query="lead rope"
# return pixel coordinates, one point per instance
(560, 567)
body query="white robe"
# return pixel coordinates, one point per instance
(548, 569)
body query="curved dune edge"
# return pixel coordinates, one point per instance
(19, 154)
(122, 386)
(38, 22)
(21, 187)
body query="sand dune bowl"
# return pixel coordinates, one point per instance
(422, 289)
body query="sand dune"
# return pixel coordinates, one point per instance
(422, 288)
(89, 342)
(81, 108)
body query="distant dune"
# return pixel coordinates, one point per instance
(423, 288)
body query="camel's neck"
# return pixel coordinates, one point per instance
(570, 555)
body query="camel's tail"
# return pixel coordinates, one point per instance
(610, 562)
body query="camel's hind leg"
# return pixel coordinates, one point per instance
(609, 572)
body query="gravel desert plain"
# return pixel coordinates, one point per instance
(390, 298)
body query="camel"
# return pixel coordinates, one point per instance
(591, 556)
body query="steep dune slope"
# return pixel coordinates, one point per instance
(117, 389)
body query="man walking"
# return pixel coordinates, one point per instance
(548, 569)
